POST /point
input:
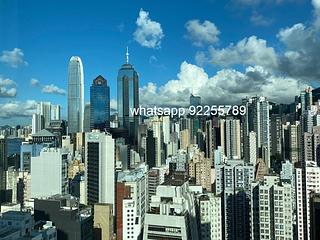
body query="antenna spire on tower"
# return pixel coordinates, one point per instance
(127, 55)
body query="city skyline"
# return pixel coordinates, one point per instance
(247, 61)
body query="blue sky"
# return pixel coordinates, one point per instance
(37, 38)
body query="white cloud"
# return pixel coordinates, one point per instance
(202, 33)
(7, 88)
(248, 51)
(227, 86)
(201, 58)
(148, 33)
(302, 51)
(17, 109)
(52, 89)
(260, 20)
(7, 93)
(13, 58)
(316, 6)
(6, 82)
(34, 82)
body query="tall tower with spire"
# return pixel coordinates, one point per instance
(75, 95)
(128, 98)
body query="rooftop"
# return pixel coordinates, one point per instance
(43, 133)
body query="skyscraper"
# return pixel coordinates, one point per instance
(37, 123)
(75, 95)
(49, 172)
(55, 112)
(100, 162)
(132, 213)
(233, 180)
(100, 104)
(128, 98)
(86, 118)
(230, 137)
(210, 216)
(48, 112)
(271, 209)
(257, 119)
(307, 182)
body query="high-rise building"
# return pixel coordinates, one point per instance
(134, 207)
(209, 137)
(233, 180)
(230, 138)
(155, 178)
(150, 149)
(71, 220)
(172, 213)
(49, 112)
(157, 129)
(271, 209)
(210, 217)
(306, 99)
(75, 95)
(103, 221)
(200, 170)
(44, 109)
(100, 168)
(37, 123)
(86, 118)
(123, 192)
(128, 98)
(307, 182)
(292, 142)
(276, 135)
(49, 173)
(28, 150)
(55, 113)
(100, 104)
(184, 139)
(315, 216)
(252, 148)
(257, 119)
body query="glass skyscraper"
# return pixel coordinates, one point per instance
(100, 104)
(75, 95)
(128, 98)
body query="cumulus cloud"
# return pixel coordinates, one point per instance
(17, 109)
(316, 6)
(53, 89)
(148, 33)
(227, 86)
(202, 33)
(6, 82)
(34, 82)
(248, 51)
(302, 51)
(7, 92)
(201, 58)
(7, 88)
(13, 58)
